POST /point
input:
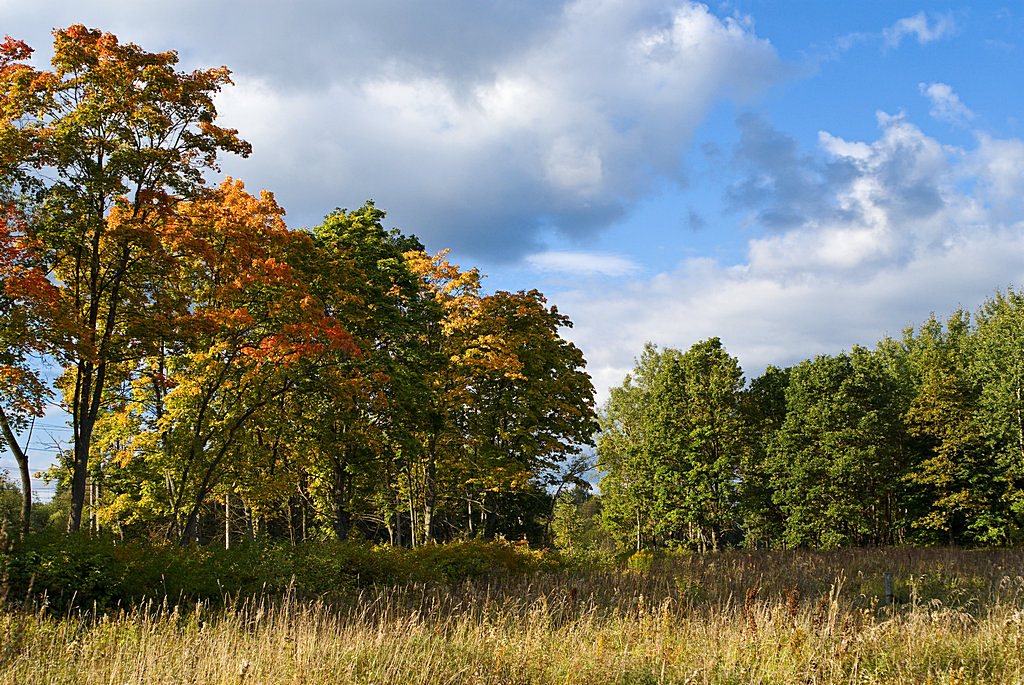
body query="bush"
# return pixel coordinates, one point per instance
(641, 561)
(78, 570)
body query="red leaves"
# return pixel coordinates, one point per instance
(13, 50)
(303, 341)
(24, 280)
(247, 295)
(31, 285)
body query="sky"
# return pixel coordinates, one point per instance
(793, 177)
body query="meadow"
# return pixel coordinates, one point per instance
(776, 617)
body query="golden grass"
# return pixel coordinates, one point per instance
(773, 618)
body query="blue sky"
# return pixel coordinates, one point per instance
(794, 177)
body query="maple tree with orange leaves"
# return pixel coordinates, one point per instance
(105, 145)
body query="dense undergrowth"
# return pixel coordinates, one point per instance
(73, 572)
(81, 571)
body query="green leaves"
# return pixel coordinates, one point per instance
(671, 445)
(839, 456)
(917, 440)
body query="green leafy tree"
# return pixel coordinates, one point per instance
(839, 458)
(360, 416)
(672, 446)
(630, 508)
(997, 365)
(956, 472)
(764, 406)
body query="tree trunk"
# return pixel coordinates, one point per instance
(227, 520)
(430, 490)
(26, 476)
(412, 512)
(78, 478)
(342, 486)
(88, 392)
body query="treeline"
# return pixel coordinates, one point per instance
(225, 375)
(919, 440)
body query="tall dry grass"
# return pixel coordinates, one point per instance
(779, 617)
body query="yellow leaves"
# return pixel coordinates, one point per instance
(490, 355)
(455, 289)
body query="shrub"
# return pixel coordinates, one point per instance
(78, 570)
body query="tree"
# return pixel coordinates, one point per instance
(839, 458)
(107, 143)
(717, 440)
(507, 402)
(530, 401)
(764, 407)
(446, 337)
(672, 445)
(997, 365)
(208, 398)
(360, 418)
(27, 304)
(954, 473)
(627, 477)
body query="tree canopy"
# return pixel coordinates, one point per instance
(219, 366)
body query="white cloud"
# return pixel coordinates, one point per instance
(920, 27)
(910, 226)
(582, 263)
(482, 126)
(946, 104)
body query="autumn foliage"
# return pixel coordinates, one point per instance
(227, 375)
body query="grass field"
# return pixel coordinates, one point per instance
(734, 617)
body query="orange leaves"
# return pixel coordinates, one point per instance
(268, 271)
(30, 284)
(338, 338)
(298, 341)
(22, 391)
(78, 48)
(34, 297)
(226, 319)
(13, 51)
(227, 229)
(247, 299)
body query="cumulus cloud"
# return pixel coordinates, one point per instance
(585, 117)
(910, 225)
(946, 104)
(479, 125)
(779, 184)
(920, 27)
